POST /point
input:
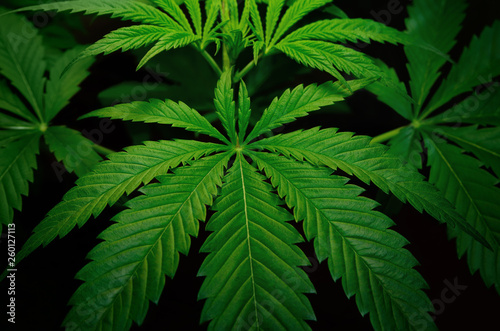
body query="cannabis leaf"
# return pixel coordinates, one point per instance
(167, 29)
(316, 44)
(253, 268)
(23, 63)
(471, 189)
(143, 245)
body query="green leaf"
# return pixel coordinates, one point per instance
(126, 38)
(9, 136)
(407, 146)
(360, 248)
(131, 10)
(295, 13)
(244, 111)
(14, 123)
(212, 14)
(11, 103)
(193, 7)
(225, 105)
(473, 192)
(17, 161)
(370, 163)
(335, 11)
(253, 279)
(299, 102)
(21, 59)
(162, 112)
(468, 72)
(330, 58)
(272, 16)
(144, 245)
(480, 108)
(168, 41)
(74, 150)
(61, 88)
(122, 173)
(388, 95)
(349, 29)
(172, 9)
(484, 143)
(258, 29)
(307, 54)
(437, 23)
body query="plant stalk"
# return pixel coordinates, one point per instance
(388, 135)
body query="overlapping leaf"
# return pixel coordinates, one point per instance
(300, 101)
(122, 173)
(253, 279)
(163, 112)
(143, 246)
(74, 150)
(360, 248)
(21, 59)
(370, 163)
(484, 143)
(131, 10)
(17, 161)
(61, 88)
(225, 105)
(468, 72)
(472, 190)
(482, 108)
(10, 102)
(438, 23)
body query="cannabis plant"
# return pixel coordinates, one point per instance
(251, 186)
(23, 64)
(471, 125)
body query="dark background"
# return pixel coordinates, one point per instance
(45, 280)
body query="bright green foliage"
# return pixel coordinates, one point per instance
(299, 102)
(469, 182)
(165, 29)
(225, 105)
(253, 276)
(163, 112)
(23, 63)
(314, 45)
(122, 173)
(360, 249)
(370, 163)
(253, 268)
(253, 279)
(142, 246)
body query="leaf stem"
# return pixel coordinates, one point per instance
(211, 61)
(388, 135)
(102, 150)
(240, 74)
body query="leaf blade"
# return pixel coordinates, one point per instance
(74, 150)
(355, 239)
(299, 102)
(122, 173)
(17, 162)
(248, 255)
(370, 163)
(61, 88)
(162, 112)
(149, 236)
